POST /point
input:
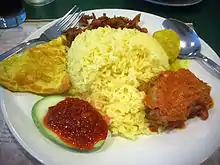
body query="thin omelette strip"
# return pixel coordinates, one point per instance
(40, 69)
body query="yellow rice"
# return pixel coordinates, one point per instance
(108, 65)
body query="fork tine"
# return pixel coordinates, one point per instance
(74, 22)
(71, 20)
(65, 16)
(66, 20)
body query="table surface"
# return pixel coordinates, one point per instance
(204, 16)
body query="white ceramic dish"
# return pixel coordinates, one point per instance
(179, 3)
(190, 146)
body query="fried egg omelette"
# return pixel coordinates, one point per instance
(40, 69)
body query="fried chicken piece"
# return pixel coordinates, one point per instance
(40, 69)
(175, 96)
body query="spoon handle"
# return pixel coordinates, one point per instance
(214, 67)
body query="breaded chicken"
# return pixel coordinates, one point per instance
(40, 69)
(175, 96)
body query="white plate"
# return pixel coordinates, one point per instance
(190, 146)
(175, 2)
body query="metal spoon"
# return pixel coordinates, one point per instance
(190, 44)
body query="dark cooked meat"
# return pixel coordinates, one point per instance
(175, 96)
(115, 22)
(85, 18)
(71, 34)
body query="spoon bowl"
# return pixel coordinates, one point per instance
(190, 45)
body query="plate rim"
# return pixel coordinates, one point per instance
(2, 104)
(173, 4)
(14, 132)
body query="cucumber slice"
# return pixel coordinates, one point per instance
(39, 111)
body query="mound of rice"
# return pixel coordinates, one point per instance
(108, 65)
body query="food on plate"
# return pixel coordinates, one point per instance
(175, 96)
(134, 81)
(40, 69)
(107, 65)
(180, 63)
(170, 41)
(115, 22)
(91, 22)
(70, 122)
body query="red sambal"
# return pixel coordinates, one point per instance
(76, 123)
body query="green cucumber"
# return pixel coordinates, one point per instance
(39, 111)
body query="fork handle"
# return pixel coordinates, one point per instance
(19, 48)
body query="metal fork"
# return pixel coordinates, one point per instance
(70, 19)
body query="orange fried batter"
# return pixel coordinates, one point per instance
(175, 96)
